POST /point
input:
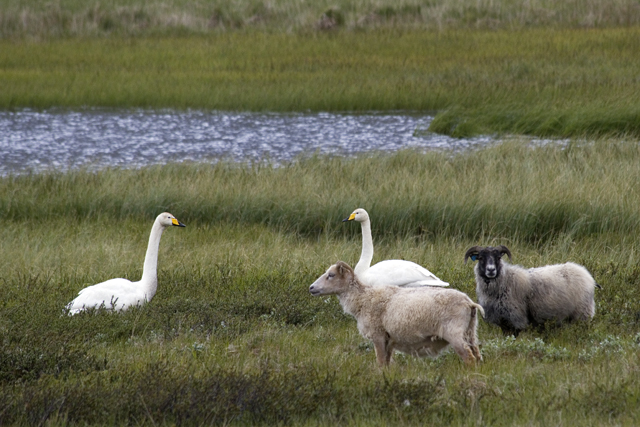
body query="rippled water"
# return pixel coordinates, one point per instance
(60, 140)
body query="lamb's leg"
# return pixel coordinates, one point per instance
(471, 337)
(476, 352)
(389, 351)
(383, 355)
(464, 351)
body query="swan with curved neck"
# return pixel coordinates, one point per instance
(120, 294)
(394, 272)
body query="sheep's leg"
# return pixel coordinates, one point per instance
(476, 352)
(389, 352)
(472, 343)
(471, 336)
(465, 352)
(506, 331)
(383, 355)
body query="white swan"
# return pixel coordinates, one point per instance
(390, 272)
(120, 294)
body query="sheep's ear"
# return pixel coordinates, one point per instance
(343, 268)
(472, 253)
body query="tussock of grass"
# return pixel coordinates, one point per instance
(618, 119)
(233, 336)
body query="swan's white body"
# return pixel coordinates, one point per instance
(394, 272)
(120, 294)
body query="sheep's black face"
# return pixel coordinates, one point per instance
(490, 263)
(489, 260)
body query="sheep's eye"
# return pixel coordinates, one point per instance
(330, 275)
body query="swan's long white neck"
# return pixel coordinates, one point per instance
(149, 281)
(367, 248)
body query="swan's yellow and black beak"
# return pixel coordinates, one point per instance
(351, 217)
(177, 223)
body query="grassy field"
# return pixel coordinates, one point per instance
(234, 337)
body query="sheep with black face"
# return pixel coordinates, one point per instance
(515, 298)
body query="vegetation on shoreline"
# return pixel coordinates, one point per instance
(62, 18)
(233, 336)
(532, 194)
(566, 83)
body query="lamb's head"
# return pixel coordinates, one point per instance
(335, 280)
(489, 260)
(359, 215)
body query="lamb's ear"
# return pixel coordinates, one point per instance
(472, 253)
(504, 250)
(344, 269)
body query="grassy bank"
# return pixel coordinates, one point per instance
(44, 18)
(530, 194)
(233, 337)
(541, 82)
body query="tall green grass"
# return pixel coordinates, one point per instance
(541, 82)
(234, 337)
(531, 193)
(43, 18)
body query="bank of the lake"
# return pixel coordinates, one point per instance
(536, 81)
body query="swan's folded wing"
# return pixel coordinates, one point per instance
(396, 272)
(114, 294)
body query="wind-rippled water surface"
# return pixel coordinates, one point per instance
(60, 140)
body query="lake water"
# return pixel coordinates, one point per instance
(62, 139)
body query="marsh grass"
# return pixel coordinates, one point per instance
(519, 189)
(233, 337)
(43, 18)
(547, 82)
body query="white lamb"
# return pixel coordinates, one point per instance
(418, 321)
